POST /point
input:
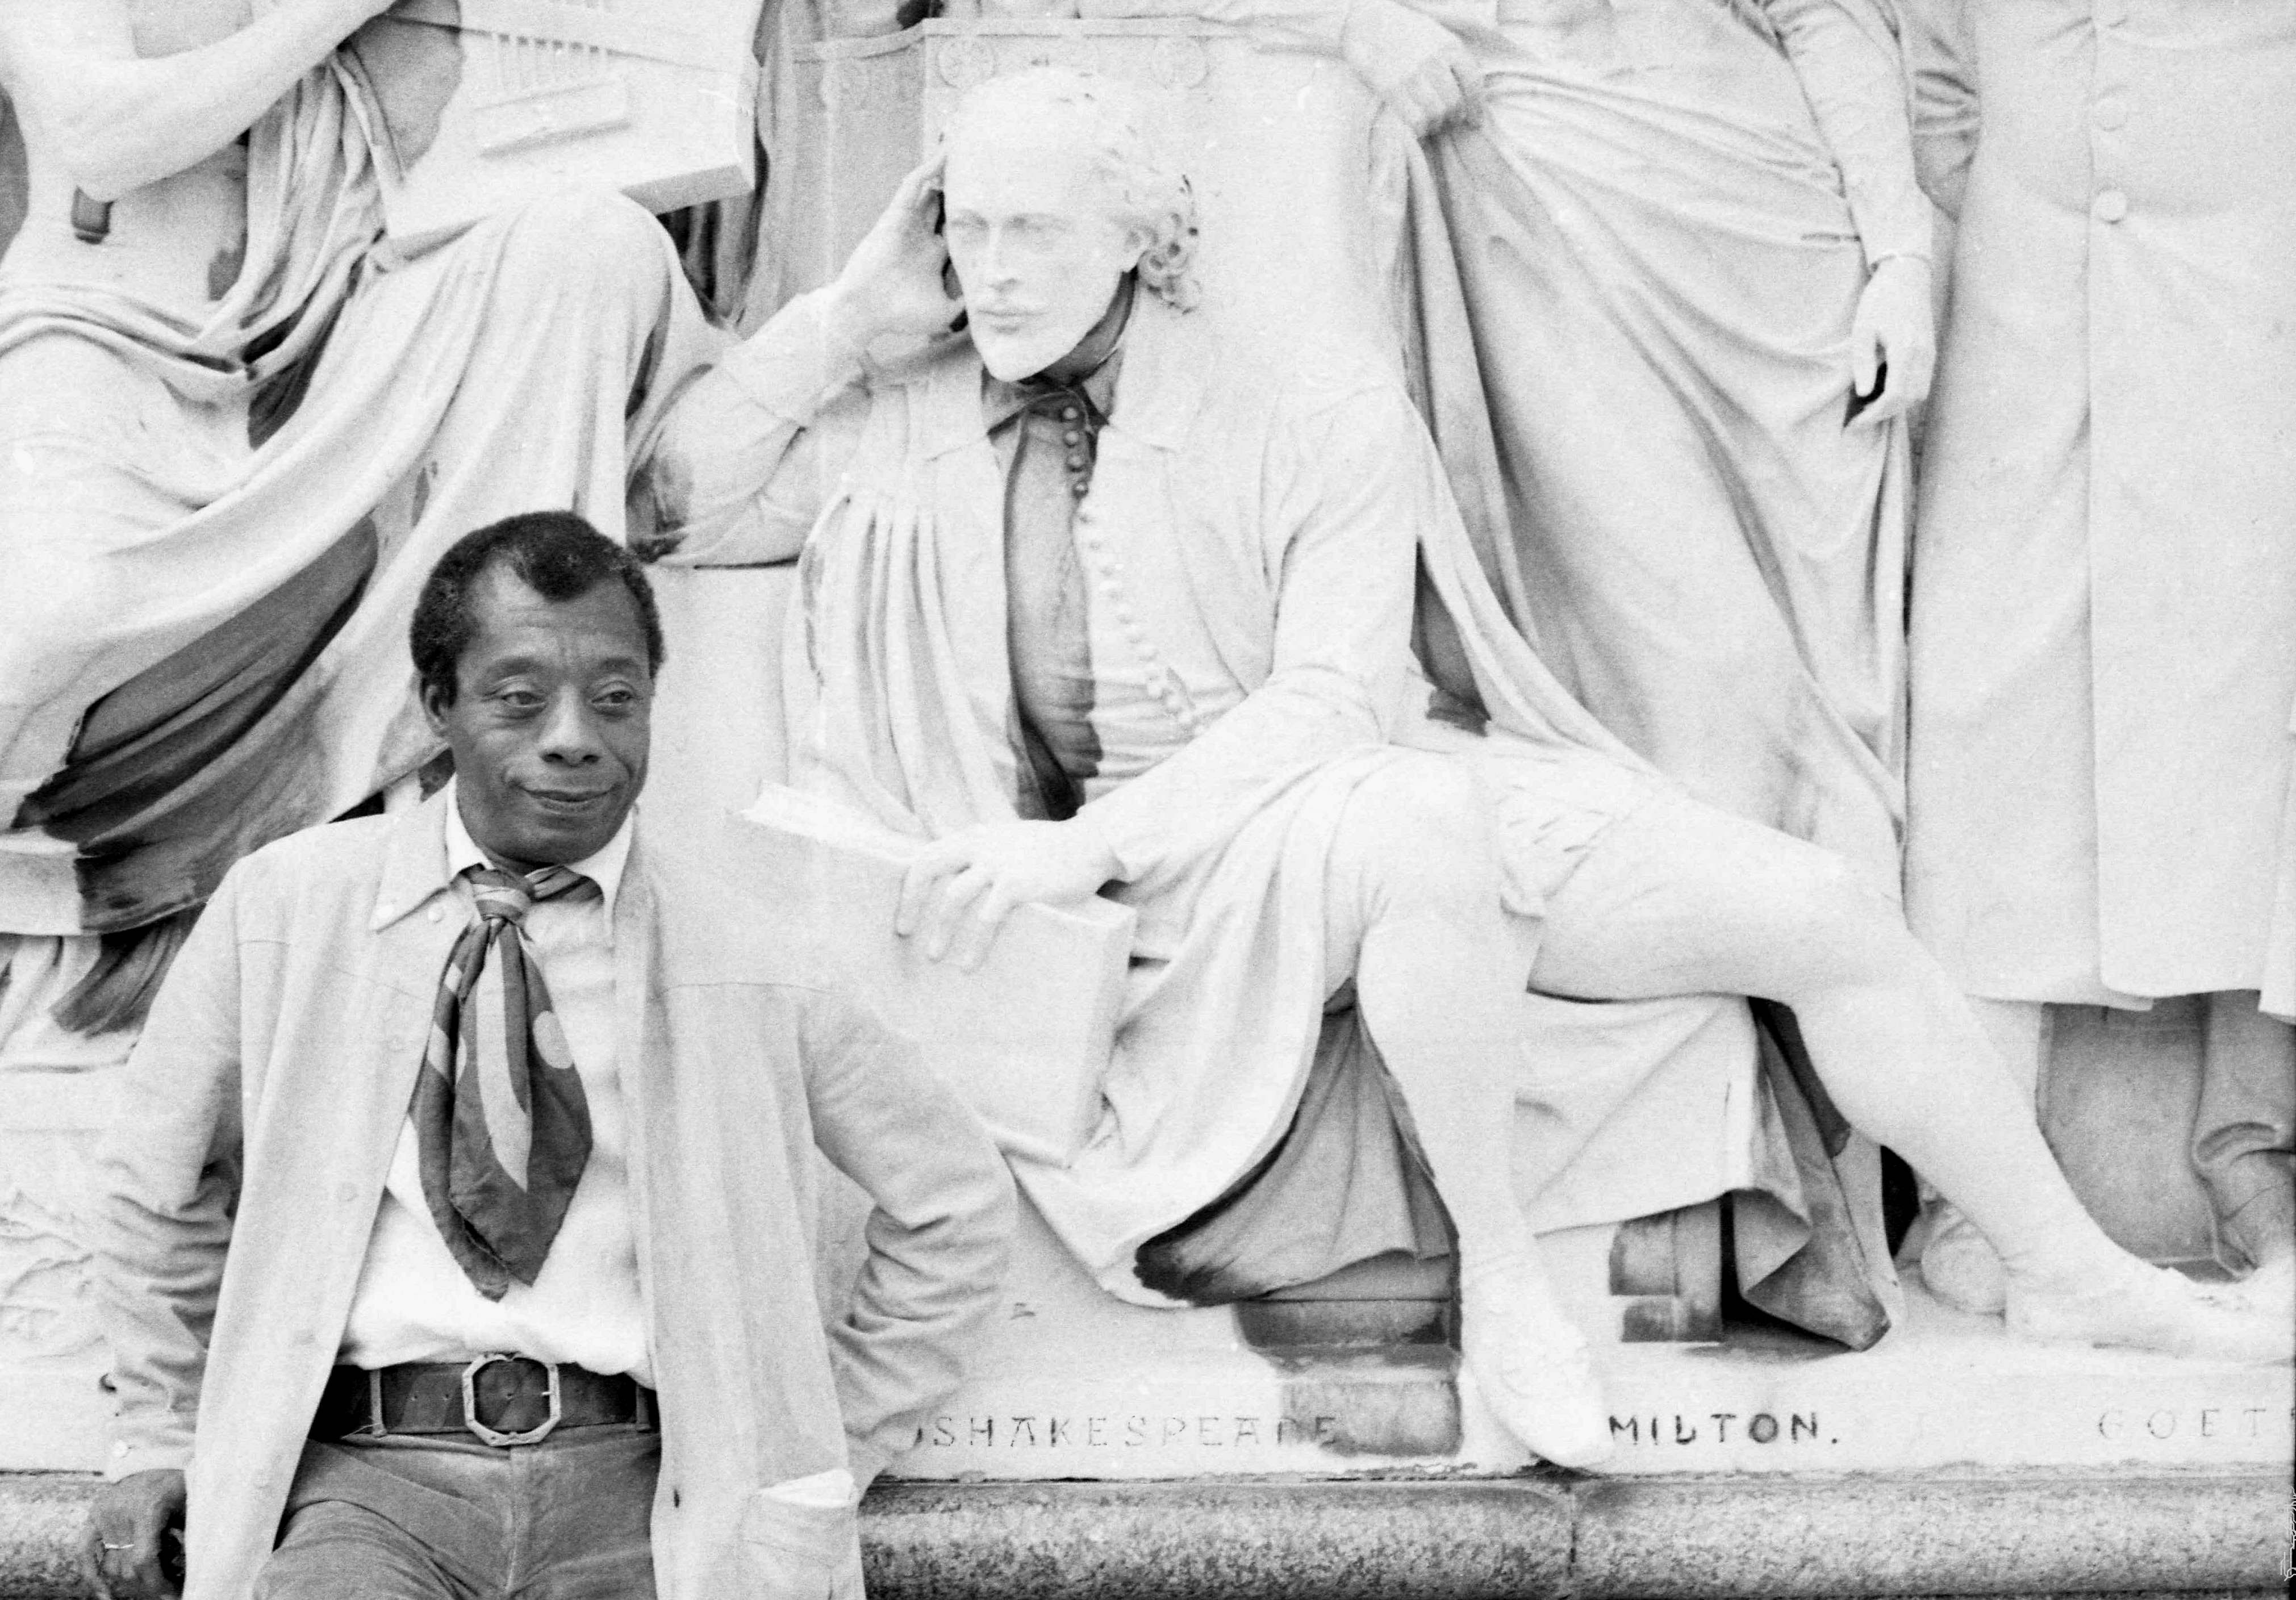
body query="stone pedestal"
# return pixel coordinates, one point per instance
(52, 1355)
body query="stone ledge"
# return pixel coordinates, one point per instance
(2196, 1532)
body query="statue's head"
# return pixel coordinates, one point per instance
(1053, 194)
(536, 641)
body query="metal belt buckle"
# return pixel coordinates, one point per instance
(534, 1435)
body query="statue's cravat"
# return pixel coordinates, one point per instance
(501, 1123)
(1049, 433)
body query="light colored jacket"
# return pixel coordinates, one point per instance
(266, 1095)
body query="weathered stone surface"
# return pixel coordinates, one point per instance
(41, 1515)
(1331, 1541)
(1933, 1533)
(2196, 1533)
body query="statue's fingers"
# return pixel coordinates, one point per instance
(981, 928)
(1864, 357)
(92, 1566)
(1924, 372)
(936, 862)
(949, 905)
(146, 1537)
(921, 183)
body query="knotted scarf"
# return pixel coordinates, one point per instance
(501, 1123)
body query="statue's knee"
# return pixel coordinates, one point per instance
(591, 235)
(1420, 829)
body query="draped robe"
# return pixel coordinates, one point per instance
(211, 563)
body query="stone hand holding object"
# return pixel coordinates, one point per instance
(895, 282)
(126, 1555)
(1414, 65)
(959, 890)
(1895, 324)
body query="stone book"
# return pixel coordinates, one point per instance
(1024, 1038)
(486, 104)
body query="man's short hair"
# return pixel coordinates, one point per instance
(1151, 192)
(556, 554)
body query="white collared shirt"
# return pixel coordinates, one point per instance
(586, 1306)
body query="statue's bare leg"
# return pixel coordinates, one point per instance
(1415, 911)
(1681, 898)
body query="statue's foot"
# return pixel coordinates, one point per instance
(2270, 1291)
(1959, 1265)
(2137, 1306)
(1533, 1369)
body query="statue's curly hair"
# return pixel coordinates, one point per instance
(1151, 193)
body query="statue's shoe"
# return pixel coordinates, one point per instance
(1533, 1369)
(1959, 1265)
(2270, 1291)
(2132, 1305)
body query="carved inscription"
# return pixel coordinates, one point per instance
(1124, 1431)
(2133, 1423)
(1721, 1427)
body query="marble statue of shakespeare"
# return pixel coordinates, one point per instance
(236, 428)
(1696, 263)
(1095, 606)
(2104, 586)
(373, 1300)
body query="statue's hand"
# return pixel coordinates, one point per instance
(125, 1554)
(1414, 63)
(958, 893)
(893, 283)
(1895, 324)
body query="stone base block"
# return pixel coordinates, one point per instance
(1521, 1537)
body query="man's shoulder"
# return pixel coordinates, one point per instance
(321, 861)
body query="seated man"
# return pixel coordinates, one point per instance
(236, 427)
(1096, 604)
(482, 1135)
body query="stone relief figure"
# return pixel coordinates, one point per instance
(1693, 262)
(1697, 263)
(1090, 604)
(236, 426)
(2104, 588)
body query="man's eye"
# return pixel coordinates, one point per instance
(614, 699)
(518, 700)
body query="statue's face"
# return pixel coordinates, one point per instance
(1033, 234)
(550, 719)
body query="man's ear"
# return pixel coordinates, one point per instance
(435, 701)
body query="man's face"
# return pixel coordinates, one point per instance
(1037, 249)
(550, 719)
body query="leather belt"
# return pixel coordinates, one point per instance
(502, 1401)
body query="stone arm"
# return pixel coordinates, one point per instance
(739, 471)
(168, 1178)
(112, 120)
(937, 1237)
(1946, 107)
(1853, 77)
(1350, 488)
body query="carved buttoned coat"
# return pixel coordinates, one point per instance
(2105, 579)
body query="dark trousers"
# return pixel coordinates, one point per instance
(442, 1518)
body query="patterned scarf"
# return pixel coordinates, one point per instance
(501, 1122)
